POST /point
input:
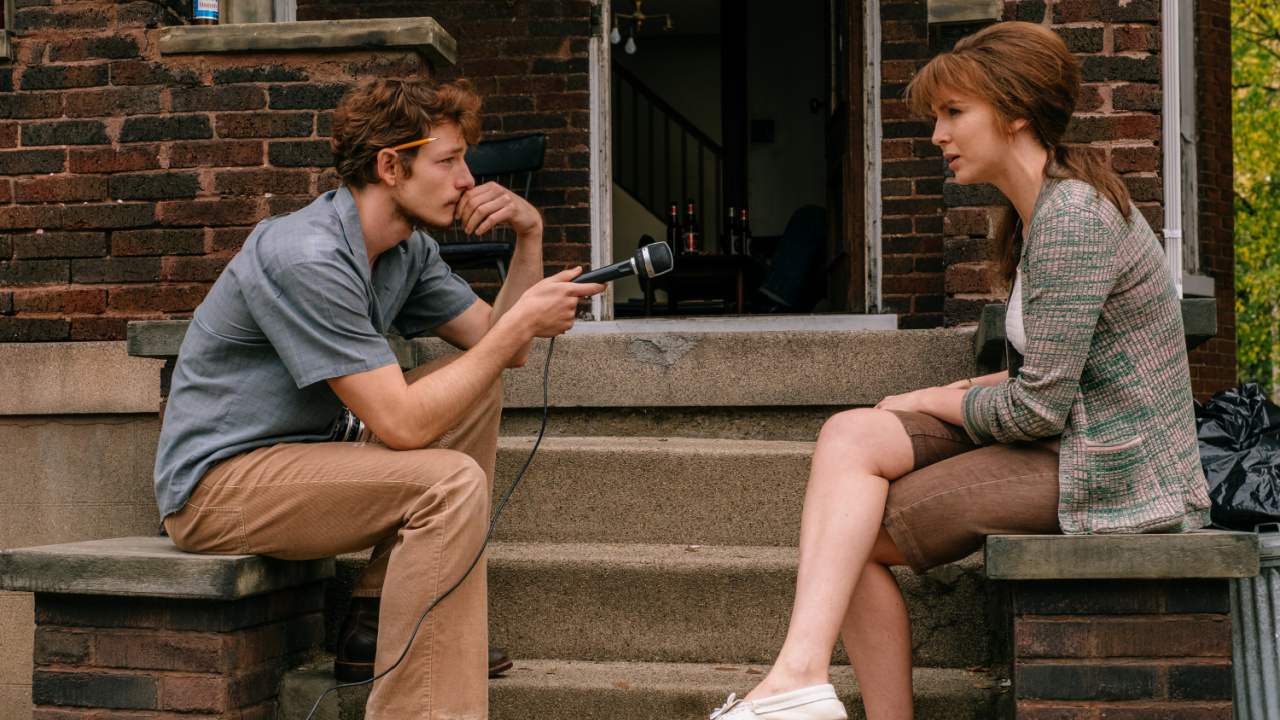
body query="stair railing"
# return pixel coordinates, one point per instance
(661, 157)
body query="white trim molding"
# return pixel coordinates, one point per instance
(873, 137)
(601, 197)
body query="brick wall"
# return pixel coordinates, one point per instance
(529, 62)
(1140, 650)
(128, 179)
(1117, 114)
(186, 658)
(1213, 365)
(912, 184)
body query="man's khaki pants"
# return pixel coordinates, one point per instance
(425, 513)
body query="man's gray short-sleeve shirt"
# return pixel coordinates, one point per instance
(296, 306)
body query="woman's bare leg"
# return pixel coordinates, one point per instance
(877, 635)
(858, 451)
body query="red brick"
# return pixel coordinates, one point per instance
(157, 242)
(231, 238)
(30, 217)
(33, 329)
(61, 188)
(562, 101)
(162, 298)
(8, 135)
(262, 181)
(61, 77)
(57, 244)
(265, 125)
(915, 284)
(216, 153)
(1137, 38)
(287, 204)
(60, 647)
(109, 216)
(1027, 710)
(1203, 636)
(1048, 638)
(193, 269)
(328, 180)
(968, 279)
(226, 97)
(110, 160)
(141, 72)
(60, 301)
(1136, 96)
(967, 221)
(965, 310)
(229, 211)
(1168, 711)
(191, 652)
(6, 194)
(99, 327)
(112, 101)
(195, 694)
(1136, 159)
(1090, 99)
(278, 639)
(1113, 127)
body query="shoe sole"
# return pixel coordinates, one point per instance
(349, 672)
(359, 672)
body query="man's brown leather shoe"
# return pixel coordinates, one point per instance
(358, 644)
(499, 661)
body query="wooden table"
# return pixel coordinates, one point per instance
(699, 277)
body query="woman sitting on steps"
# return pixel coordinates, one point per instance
(1093, 434)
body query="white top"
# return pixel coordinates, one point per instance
(1013, 316)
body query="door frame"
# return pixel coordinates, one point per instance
(601, 163)
(873, 159)
(600, 135)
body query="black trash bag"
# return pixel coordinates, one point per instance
(1239, 433)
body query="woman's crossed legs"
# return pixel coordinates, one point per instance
(938, 514)
(844, 584)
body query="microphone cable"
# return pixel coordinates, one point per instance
(546, 374)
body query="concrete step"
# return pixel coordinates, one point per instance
(653, 490)
(573, 690)
(692, 369)
(677, 603)
(732, 423)
(680, 603)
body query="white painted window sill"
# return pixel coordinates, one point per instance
(419, 33)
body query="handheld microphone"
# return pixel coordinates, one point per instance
(650, 261)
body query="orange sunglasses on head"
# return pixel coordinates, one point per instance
(415, 143)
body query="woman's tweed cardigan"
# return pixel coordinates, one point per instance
(1106, 366)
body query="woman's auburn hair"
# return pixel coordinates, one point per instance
(386, 113)
(1024, 72)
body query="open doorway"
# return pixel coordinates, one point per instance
(742, 106)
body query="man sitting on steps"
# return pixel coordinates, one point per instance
(294, 329)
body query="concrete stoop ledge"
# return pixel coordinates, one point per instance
(578, 690)
(137, 625)
(1104, 623)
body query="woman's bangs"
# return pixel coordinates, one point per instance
(944, 76)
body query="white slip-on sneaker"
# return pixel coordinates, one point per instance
(812, 703)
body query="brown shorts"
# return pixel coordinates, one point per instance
(958, 493)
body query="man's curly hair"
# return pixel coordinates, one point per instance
(385, 113)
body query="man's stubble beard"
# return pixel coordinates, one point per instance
(415, 221)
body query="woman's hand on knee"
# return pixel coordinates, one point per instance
(913, 401)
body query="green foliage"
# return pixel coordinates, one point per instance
(1255, 50)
